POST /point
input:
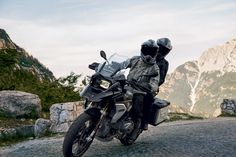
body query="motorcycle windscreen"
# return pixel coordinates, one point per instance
(109, 69)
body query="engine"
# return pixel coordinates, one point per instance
(116, 124)
(108, 130)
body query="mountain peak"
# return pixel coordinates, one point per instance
(6, 42)
(220, 58)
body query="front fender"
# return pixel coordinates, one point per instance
(93, 112)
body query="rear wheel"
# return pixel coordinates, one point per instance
(77, 139)
(127, 140)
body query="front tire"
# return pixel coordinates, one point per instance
(76, 141)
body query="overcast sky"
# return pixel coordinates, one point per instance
(67, 35)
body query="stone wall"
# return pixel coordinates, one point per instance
(63, 114)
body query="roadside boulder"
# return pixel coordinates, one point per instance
(63, 114)
(19, 104)
(41, 127)
(228, 106)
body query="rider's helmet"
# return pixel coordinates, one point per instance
(164, 47)
(149, 51)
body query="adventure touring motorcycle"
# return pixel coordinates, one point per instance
(108, 104)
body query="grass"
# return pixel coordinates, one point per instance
(13, 122)
(182, 116)
(7, 123)
(227, 115)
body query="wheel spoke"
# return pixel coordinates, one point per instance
(81, 141)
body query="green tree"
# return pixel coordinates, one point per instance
(15, 75)
(69, 81)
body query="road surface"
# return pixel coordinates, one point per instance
(198, 138)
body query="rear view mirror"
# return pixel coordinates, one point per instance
(103, 54)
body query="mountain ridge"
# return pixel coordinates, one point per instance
(204, 82)
(22, 72)
(25, 61)
(221, 57)
(6, 42)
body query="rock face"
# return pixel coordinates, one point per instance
(24, 61)
(63, 114)
(19, 104)
(6, 42)
(200, 86)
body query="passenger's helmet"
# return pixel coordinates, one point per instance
(164, 47)
(149, 51)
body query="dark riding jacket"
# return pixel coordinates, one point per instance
(163, 65)
(142, 72)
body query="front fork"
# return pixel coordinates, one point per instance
(91, 136)
(87, 103)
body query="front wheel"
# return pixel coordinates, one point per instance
(78, 138)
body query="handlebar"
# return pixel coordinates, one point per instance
(93, 66)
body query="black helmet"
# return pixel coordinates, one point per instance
(164, 47)
(149, 51)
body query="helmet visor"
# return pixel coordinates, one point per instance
(151, 51)
(163, 51)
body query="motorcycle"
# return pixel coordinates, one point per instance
(108, 105)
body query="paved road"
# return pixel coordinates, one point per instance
(200, 138)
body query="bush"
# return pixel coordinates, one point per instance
(17, 73)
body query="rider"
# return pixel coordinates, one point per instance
(145, 72)
(164, 48)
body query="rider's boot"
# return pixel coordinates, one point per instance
(145, 126)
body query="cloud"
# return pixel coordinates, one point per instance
(73, 33)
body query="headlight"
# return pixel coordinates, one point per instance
(104, 84)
